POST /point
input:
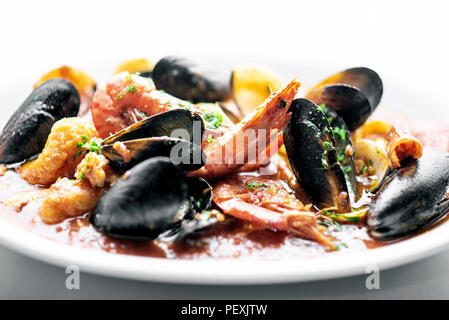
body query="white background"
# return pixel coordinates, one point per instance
(403, 40)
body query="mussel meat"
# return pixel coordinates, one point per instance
(412, 197)
(344, 147)
(153, 198)
(186, 80)
(310, 146)
(175, 134)
(26, 132)
(353, 93)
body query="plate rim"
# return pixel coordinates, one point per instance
(238, 272)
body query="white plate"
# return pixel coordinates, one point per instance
(238, 271)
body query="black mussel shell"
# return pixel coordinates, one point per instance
(146, 74)
(311, 151)
(188, 155)
(176, 134)
(185, 80)
(178, 123)
(144, 202)
(412, 197)
(200, 193)
(354, 94)
(26, 132)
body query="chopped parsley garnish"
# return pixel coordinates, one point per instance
(82, 176)
(322, 107)
(87, 146)
(339, 133)
(352, 218)
(337, 225)
(347, 169)
(341, 155)
(324, 222)
(327, 145)
(210, 138)
(214, 120)
(324, 163)
(132, 89)
(254, 185)
(120, 96)
(339, 245)
(340, 215)
(128, 77)
(199, 202)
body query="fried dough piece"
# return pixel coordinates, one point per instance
(69, 198)
(61, 153)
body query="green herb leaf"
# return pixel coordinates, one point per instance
(210, 138)
(327, 145)
(132, 89)
(324, 163)
(339, 133)
(213, 120)
(254, 185)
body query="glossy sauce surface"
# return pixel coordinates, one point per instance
(231, 239)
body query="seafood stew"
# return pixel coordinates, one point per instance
(169, 160)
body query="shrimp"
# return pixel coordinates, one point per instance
(266, 202)
(127, 98)
(242, 144)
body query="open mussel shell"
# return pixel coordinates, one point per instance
(188, 155)
(26, 132)
(368, 150)
(144, 202)
(353, 93)
(179, 123)
(176, 134)
(411, 197)
(312, 155)
(186, 80)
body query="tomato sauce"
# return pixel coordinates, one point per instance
(230, 239)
